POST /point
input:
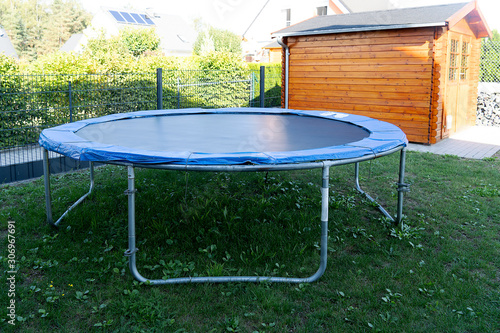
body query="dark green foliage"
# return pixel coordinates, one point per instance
(30, 103)
(272, 84)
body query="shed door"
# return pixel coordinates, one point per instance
(457, 96)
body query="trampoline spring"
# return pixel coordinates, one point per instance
(130, 252)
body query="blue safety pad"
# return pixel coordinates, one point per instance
(62, 139)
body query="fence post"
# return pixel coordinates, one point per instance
(159, 89)
(262, 86)
(178, 93)
(70, 102)
(253, 78)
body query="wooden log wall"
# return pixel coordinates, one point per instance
(440, 71)
(386, 75)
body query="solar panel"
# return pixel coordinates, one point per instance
(138, 18)
(147, 19)
(134, 18)
(127, 17)
(117, 16)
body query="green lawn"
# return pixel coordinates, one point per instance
(441, 273)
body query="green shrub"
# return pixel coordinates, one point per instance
(138, 41)
(218, 40)
(8, 65)
(219, 60)
(107, 79)
(60, 63)
(273, 84)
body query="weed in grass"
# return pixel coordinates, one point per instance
(176, 268)
(231, 324)
(407, 232)
(391, 298)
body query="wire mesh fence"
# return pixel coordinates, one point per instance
(30, 103)
(490, 61)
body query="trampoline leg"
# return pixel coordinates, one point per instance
(356, 176)
(46, 179)
(402, 186)
(325, 189)
(48, 199)
(132, 250)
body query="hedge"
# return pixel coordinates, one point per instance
(40, 97)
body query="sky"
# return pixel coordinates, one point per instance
(215, 12)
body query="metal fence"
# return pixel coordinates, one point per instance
(30, 103)
(490, 61)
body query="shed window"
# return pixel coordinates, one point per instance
(454, 58)
(464, 63)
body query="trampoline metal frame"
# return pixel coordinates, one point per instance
(325, 165)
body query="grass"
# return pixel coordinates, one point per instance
(438, 274)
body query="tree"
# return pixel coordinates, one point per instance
(37, 27)
(66, 18)
(21, 40)
(495, 35)
(114, 53)
(213, 39)
(130, 41)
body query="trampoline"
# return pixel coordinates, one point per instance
(231, 140)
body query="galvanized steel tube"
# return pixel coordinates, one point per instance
(402, 187)
(46, 179)
(131, 252)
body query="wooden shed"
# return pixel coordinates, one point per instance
(417, 68)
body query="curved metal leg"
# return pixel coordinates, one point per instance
(132, 250)
(402, 187)
(382, 209)
(48, 199)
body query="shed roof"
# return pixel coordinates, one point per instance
(429, 16)
(273, 45)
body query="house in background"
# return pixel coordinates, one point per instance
(176, 35)
(6, 46)
(272, 52)
(256, 20)
(75, 43)
(417, 68)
